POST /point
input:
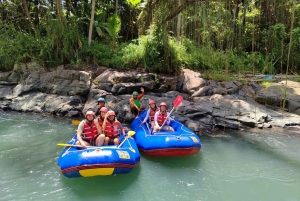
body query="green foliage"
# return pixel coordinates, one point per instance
(161, 53)
(133, 2)
(100, 54)
(216, 75)
(113, 27)
(133, 53)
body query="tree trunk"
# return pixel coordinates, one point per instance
(178, 26)
(116, 7)
(58, 10)
(36, 10)
(26, 12)
(91, 22)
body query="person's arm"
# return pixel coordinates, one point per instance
(79, 132)
(99, 128)
(155, 119)
(104, 122)
(146, 117)
(121, 128)
(142, 94)
(131, 101)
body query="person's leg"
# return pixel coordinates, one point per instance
(100, 140)
(134, 111)
(116, 141)
(152, 124)
(167, 128)
(85, 143)
(156, 128)
(106, 140)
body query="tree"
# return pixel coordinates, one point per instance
(26, 12)
(91, 22)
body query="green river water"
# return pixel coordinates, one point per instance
(241, 166)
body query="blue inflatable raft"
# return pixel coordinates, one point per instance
(102, 160)
(179, 143)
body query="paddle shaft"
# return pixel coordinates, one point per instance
(146, 125)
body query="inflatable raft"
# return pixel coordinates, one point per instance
(96, 161)
(179, 143)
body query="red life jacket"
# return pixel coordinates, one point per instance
(100, 121)
(161, 118)
(152, 113)
(90, 132)
(111, 129)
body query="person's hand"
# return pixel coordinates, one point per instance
(106, 115)
(83, 145)
(142, 89)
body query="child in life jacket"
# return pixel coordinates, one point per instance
(111, 128)
(151, 112)
(89, 131)
(101, 116)
(162, 119)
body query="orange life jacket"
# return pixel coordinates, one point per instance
(161, 118)
(111, 129)
(90, 132)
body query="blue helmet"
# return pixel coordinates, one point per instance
(101, 99)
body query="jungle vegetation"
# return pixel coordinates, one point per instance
(161, 36)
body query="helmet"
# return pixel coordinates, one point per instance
(89, 112)
(101, 99)
(152, 102)
(104, 109)
(135, 93)
(111, 113)
(163, 104)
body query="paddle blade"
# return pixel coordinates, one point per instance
(177, 101)
(131, 133)
(75, 122)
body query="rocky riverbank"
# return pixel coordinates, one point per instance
(207, 104)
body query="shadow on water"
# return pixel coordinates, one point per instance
(101, 186)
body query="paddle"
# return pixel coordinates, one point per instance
(178, 100)
(129, 133)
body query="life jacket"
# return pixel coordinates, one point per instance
(161, 118)
(111, 129)
(90, 132)
(152, 113)
(100, 121)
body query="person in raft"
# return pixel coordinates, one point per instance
(150, 113)
(162, 119)
(101, 116)
(89, 131)
(135, 105)
(111, 128)
(101, 103)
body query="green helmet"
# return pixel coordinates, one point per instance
(135, 93)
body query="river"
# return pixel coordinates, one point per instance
(232, 165)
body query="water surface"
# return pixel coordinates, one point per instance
(244, 165)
